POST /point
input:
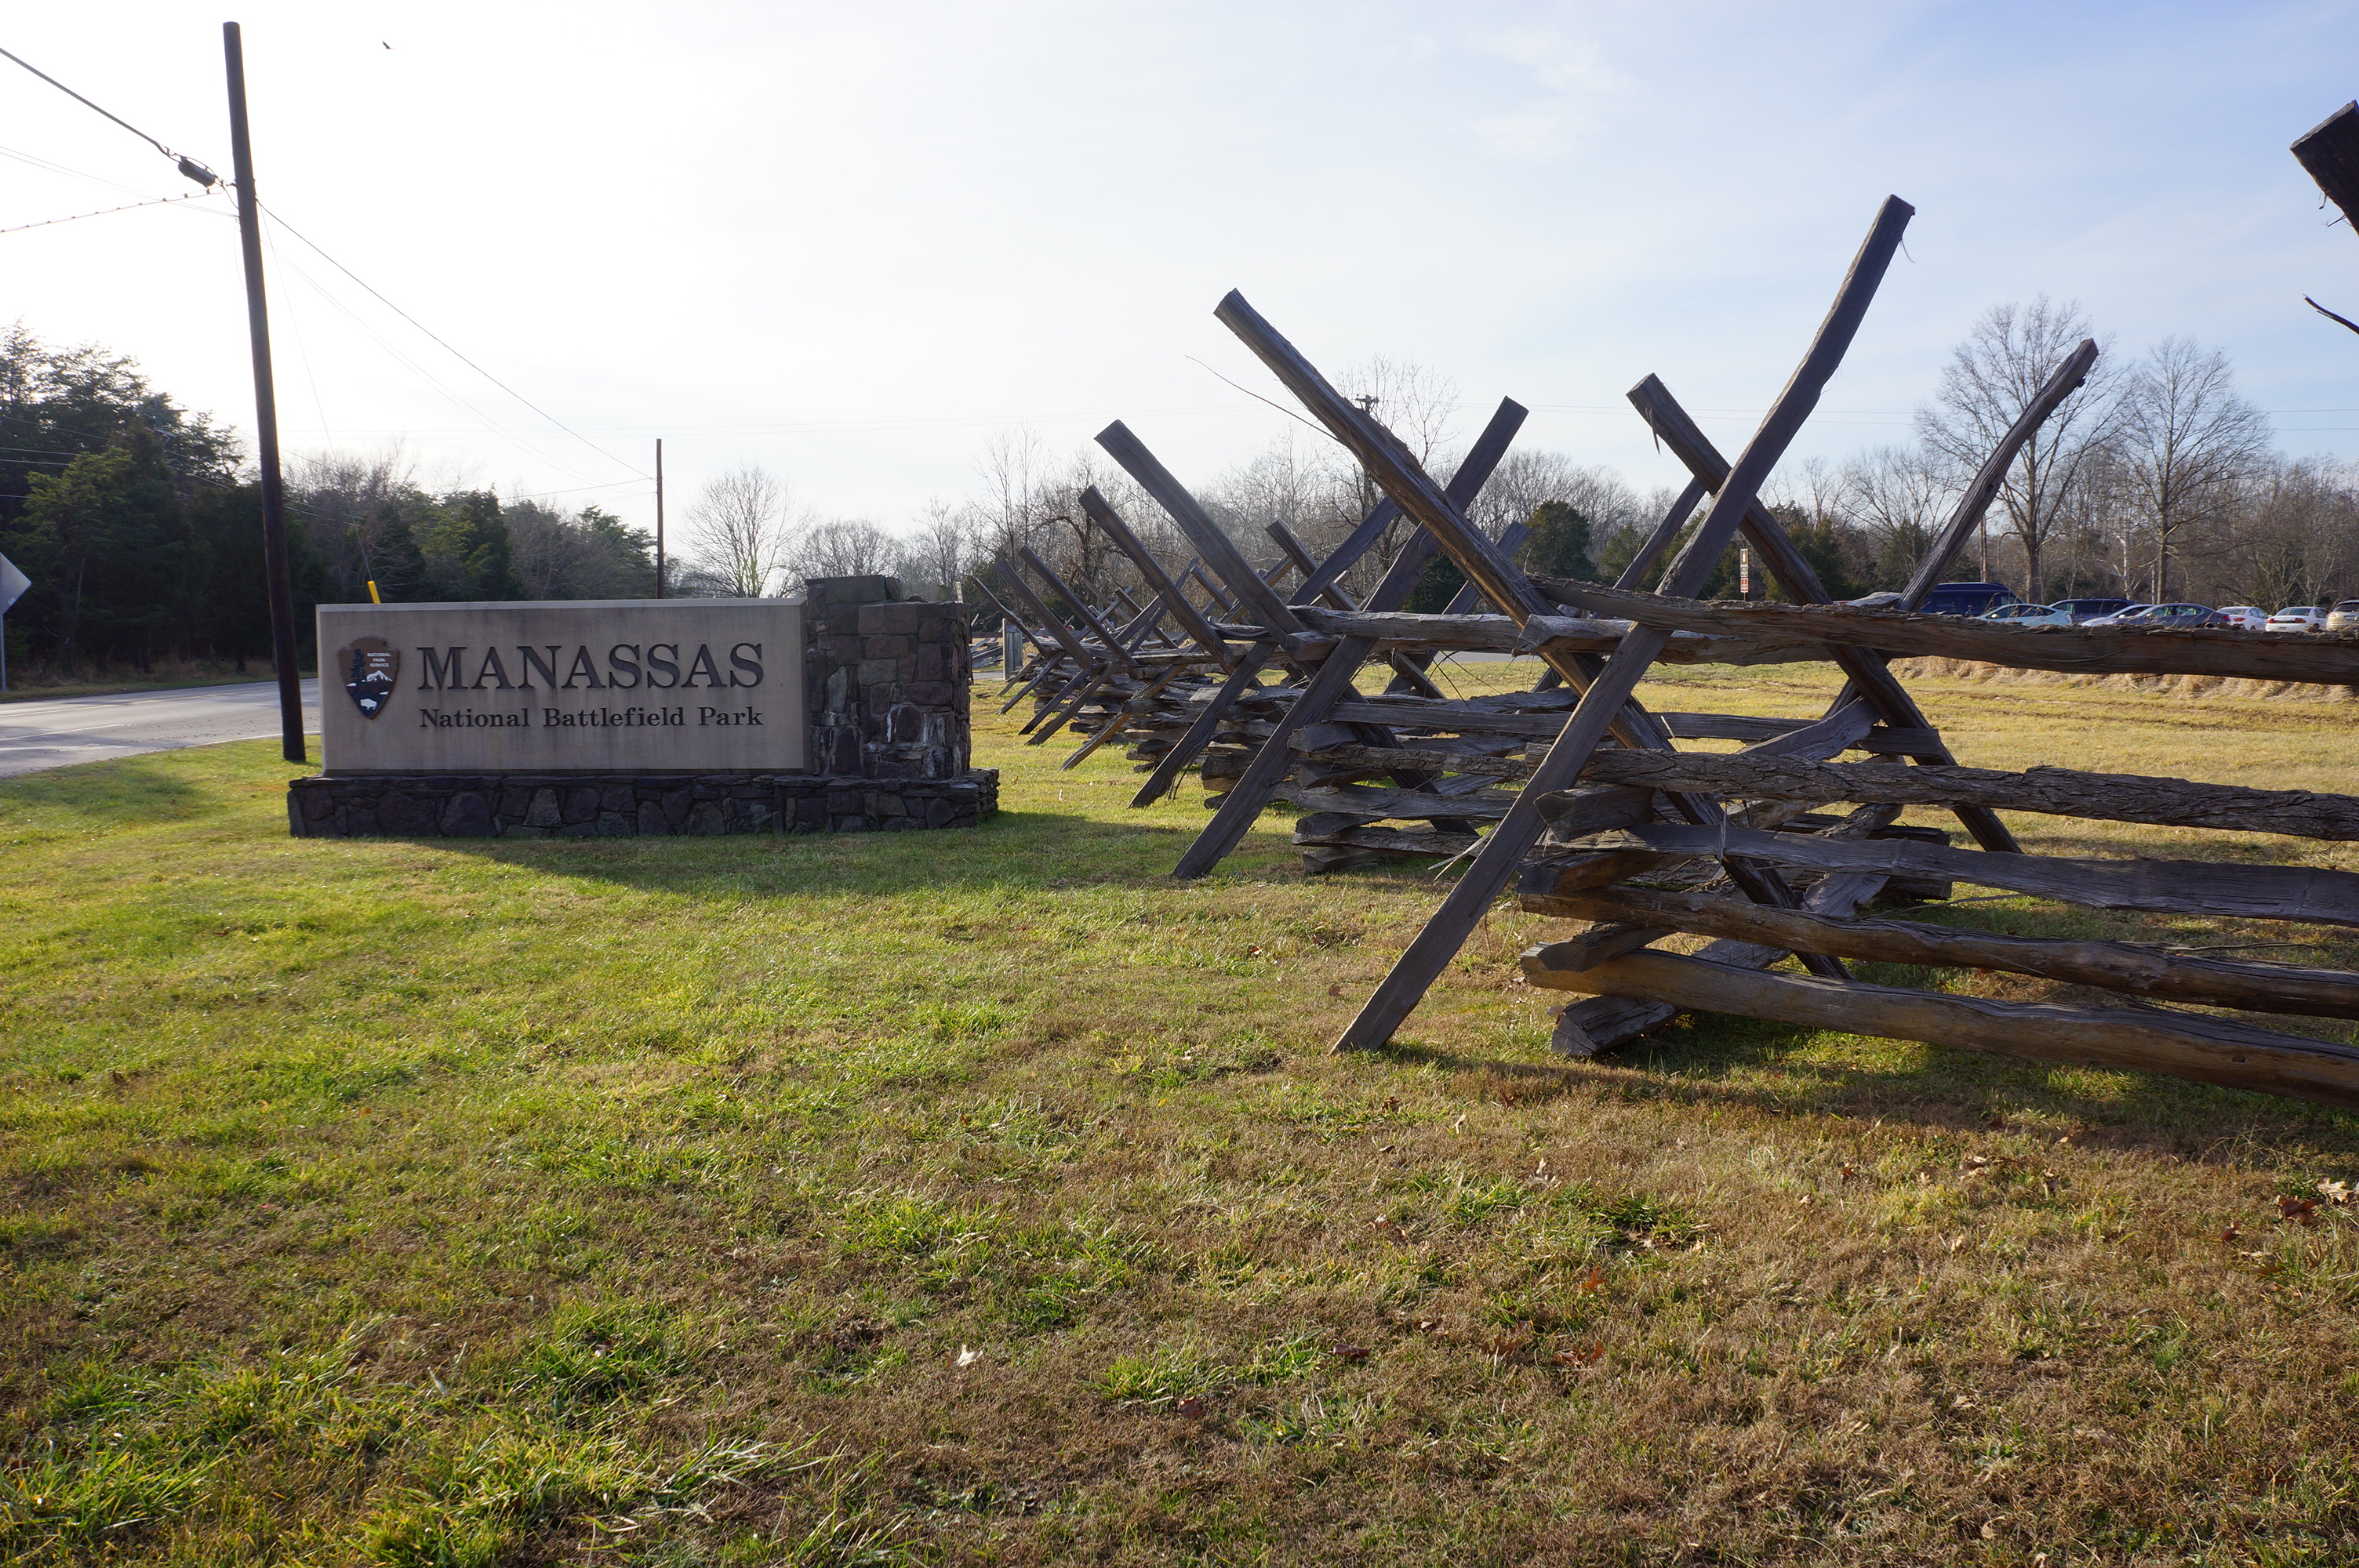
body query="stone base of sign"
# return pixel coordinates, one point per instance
(628, 805)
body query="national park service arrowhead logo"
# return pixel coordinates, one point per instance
(371, 666)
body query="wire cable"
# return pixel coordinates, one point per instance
(127, 207)
(490, 427)
(189, 166)
(50, 166)
(454, 353)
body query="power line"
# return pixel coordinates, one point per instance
(103, 212)
(188, 165)
(454, 353)
(54, 168)
(427, 376)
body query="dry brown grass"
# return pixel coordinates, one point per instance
(993, 1199)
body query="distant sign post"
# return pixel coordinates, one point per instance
(13, 584)
(697, 685)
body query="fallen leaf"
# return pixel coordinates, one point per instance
(2298, 1211)
(1514, 1340)
(1353, 1352)
(1192, 1407)
(1973, 1164)
(1392, 1102)
(2047, 1183)
(1995, 1122)
(2228, 1237)
(1596, 1281)
(1334, 990)
(2336, 1191)
(1990, 1530)
(1849, 1172)
(1579, 1355)
(1805, 1198)
(966, 1357)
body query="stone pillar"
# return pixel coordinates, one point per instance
(890, 677)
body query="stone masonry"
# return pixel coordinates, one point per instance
(887, 678)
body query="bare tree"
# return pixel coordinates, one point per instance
(1418, 405)
(1894, 495)
(941, 544)
(356, 511)
(1992, 377)
(1013, 468)
(845, 547)
(2188, 439)
(742, 525)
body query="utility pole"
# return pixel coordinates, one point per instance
(266, 412)
(659, 517)
(1367, 402)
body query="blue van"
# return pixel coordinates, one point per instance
(1967, 598)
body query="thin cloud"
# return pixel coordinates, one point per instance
(1571, 76)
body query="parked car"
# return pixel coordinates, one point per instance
(2297, 618)
(2343, 617)
(2084, 610)
(1967, 598)
(2031, 615)
(2244, 617)
(2126, 615)
(2176, 615)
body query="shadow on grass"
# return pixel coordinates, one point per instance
(1017, 849)
(1780, 1069)
(1030, 849)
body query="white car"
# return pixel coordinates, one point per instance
(2029, 616)
(2297, 618)
(2244, 617)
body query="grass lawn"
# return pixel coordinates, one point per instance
(988, 1197)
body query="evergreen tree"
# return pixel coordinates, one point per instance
(465, 549)
(1558, 544)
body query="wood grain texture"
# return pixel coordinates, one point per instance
(2057, 791)
(1332, 682)
(1209, 538)
(2329, 152)
(1869, 678)
(1606, 691)
(2126, 967)
(2330, 658)
(1103, 516)
(2220, 888)
(2186, 1046)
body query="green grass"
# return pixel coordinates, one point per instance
(988, 1197)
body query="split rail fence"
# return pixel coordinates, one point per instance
(1773, 851)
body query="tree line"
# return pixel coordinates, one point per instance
(2156, 479)
(143, 534)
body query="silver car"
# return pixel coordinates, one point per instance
(2029, 616)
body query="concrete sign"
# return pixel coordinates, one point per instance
(669, 685)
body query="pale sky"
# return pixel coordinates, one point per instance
(852, 242)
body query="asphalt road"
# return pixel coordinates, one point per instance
(55, 731)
